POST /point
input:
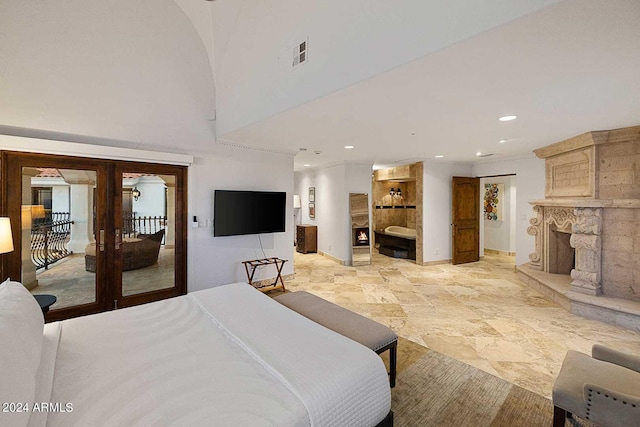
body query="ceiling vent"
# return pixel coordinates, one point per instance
(300, 53)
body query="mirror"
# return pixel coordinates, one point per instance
(360, 230)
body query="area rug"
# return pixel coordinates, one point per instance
(436, 390)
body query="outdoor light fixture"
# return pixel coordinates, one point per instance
(135, 193)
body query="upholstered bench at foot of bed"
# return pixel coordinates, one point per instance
(367, 332)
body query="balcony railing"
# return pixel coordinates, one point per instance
(49, 238)
(50, 235)
(133, 225)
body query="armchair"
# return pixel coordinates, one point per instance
(603, 388)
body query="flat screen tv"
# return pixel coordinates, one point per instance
(248, 212)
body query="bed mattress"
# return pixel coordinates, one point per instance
(226, 356)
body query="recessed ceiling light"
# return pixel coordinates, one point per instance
(507, 118)
(502, 141)
(348, 147)
(307, 164)
(438, 156)
(478, 154)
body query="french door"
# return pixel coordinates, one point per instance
(97, 234)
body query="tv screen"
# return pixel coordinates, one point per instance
(248, 212)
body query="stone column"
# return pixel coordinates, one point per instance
(170, 233)
(82, 216)
(585, 238)
(535, 229)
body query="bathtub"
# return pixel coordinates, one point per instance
(396, 230)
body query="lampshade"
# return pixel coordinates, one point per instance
(6, 238)
(37, 211)
(296, 201)
(26, 217)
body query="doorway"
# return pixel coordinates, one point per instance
(102, 234)
(498, 215)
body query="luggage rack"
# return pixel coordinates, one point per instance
(251, 266)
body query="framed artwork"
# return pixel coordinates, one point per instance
(312, 194)
(493, 202)
(312, 210)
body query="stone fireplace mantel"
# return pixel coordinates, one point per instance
(587, 228)
(588, 203)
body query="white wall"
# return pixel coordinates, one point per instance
(499, 235)
(218, 260)
(152, 197)
(530, 181)
(129, 73)
(60, 198)
(331, 205)
(365, 37)
(436, 206)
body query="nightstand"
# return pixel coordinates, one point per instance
(45, 301)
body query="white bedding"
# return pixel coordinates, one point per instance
(226, 356)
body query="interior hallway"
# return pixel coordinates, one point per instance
(478, 313)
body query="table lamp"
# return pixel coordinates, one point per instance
(6, 238)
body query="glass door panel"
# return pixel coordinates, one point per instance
(51, 201)
(58, 236)
(146, 227)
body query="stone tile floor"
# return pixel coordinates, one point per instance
(479, 313)
(72, 285)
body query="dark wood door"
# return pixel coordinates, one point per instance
(63, 252)
(150, 233)
(89, 250)
(466, 220)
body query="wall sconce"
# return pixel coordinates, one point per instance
(135, 193)
(399, 192)
(6, 238)
(392, 192)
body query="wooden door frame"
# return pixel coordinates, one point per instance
(11, 164)
(180, 267)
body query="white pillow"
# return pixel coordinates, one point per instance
(21, 328)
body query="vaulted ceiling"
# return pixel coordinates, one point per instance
(566, 68)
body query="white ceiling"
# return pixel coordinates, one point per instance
(568, 69)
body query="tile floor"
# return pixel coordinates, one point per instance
(69, 281)
(478, 313)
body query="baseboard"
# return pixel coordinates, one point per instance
(438, 262)
(332, 258)
(497, 252)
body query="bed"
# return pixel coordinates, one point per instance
(227, 356)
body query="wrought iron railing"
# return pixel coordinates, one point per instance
(49, 241)
(133, 225)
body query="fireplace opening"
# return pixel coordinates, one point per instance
(562, 257)
(361, 237)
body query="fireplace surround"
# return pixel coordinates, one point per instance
(592, 202)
